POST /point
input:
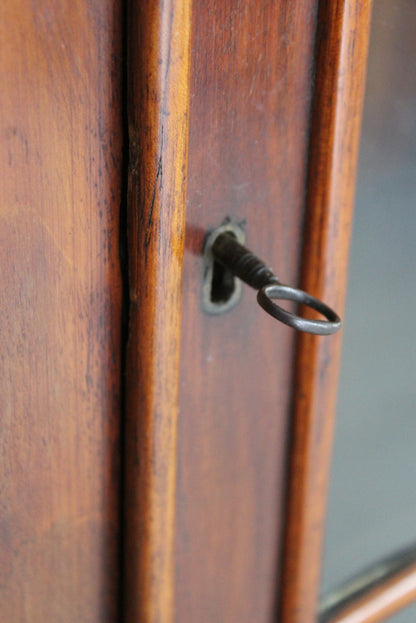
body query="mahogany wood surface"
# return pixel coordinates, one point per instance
(342, 41)
(60, 310)
(249, 119)
(158, 102)
(246, 89)
(381, 602)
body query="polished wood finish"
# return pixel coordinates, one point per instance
(60, 310)
(158, 102)
(387, 583)
(383, 601)
(342, 41)
(248, 100)
(249, 118)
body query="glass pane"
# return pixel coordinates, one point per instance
(404, 616)
(372, 502)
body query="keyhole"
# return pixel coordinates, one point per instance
(222, 284)
(221, 290)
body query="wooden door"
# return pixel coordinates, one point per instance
(60, 310)
(250, 110)
(223, 423)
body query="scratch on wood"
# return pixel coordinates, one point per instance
(148, 233)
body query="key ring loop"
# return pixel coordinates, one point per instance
(224, 248)
(268, 293)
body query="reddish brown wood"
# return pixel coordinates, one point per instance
(388, 598)
(158, 102)
(249, 116)
(60, 310)
(342, 40)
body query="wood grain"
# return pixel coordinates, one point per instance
(382, 601)
(158, 102)
(342, 41)
(249, 119)
(60, 310)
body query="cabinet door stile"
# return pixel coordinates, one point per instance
(251, 81)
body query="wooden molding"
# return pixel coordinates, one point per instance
(375, 593)
(158, 102)
(342, 41)
(382, 601)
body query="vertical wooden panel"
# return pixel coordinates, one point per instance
(60, 310)
(342, 40)
(249, 117)
(158, 102)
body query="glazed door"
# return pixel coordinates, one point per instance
(371, 529)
